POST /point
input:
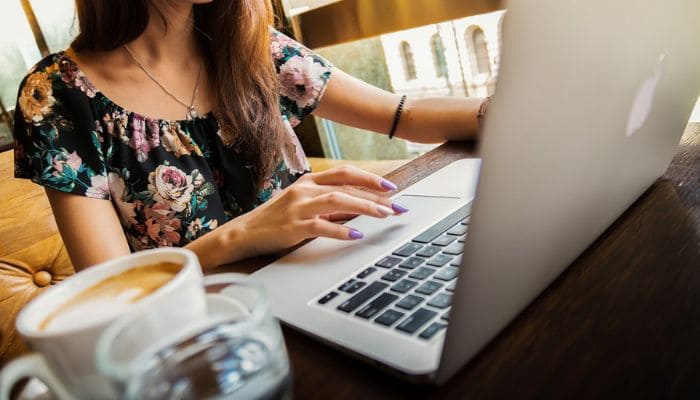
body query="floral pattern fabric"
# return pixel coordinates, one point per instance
(169, 181)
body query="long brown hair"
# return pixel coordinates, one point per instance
(234, 37)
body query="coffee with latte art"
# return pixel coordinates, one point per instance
(111, 296)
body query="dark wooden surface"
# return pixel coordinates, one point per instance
(623, 321)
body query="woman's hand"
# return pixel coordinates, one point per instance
(304, 210)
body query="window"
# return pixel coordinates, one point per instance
(409, 65)
(381, 61)
(57, 21)
(438, 56)
(478, 46)
(295, 7)
(18, 52)
(392, 45)
(53, 20)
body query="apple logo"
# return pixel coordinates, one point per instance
(644, 100)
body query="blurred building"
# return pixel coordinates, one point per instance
(453, 58)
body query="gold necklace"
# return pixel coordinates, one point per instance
(192, 112)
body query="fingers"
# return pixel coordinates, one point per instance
(371, 196)
(318, 190)
(348, 175)
(318, 227)
(379, 198)
(341, 202)
(338, 217)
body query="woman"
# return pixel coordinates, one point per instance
(161, 126)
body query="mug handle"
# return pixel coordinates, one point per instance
(30, 366)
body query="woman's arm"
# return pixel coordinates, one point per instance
(350, 101)
(89, 227)
(92, 232)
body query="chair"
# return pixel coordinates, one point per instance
(32, 255)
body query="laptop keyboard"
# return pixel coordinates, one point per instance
(410, 289)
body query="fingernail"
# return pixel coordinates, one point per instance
(399, 208)
(385, 211)
(388, 185)
(355, 234)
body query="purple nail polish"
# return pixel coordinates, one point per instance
(388, 185)
(399, 208)
(354, 234)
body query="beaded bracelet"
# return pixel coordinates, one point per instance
(397, 116)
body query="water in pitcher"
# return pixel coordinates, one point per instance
(217, 364)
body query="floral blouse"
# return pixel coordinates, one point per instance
(169, 181)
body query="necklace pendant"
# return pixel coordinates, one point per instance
(192, 113)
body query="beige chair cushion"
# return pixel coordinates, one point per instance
(32, 255)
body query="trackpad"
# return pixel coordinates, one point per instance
(422, 210)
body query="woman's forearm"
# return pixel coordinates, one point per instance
(350, 101)
(438, 119)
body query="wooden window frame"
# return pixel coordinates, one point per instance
(348, 20)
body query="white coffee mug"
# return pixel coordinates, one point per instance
(63, 358)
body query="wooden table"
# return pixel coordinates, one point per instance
(623, 321)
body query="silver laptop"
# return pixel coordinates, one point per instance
(591, 103)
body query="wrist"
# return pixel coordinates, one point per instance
(206, 250)
(219, 247)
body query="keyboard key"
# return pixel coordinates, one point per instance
(437, 229)
(403, 286)
(451, 286)
(428, 251)
(428, 288)
(422, 273)
(409, 302)
(389, 317)
(444, 240)
(360, 298)
(447, 274)
(456, 262)
(462, 239)
(355, 287)
(416, 320)
(394, 275)
(367, 272)
(430, 331)
(346, 285)
(442, 300)
(465, 221)
(439, 260)
(445, 316)
(454, 249)
(407, 249)
(325, 299)
(388, 262)
(376, 305)
(412, 262)
(458, 230)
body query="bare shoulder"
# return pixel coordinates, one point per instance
(102, 68)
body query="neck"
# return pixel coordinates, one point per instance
(171, 37)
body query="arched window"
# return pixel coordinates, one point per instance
(409, 66)
(476, 42)
(438, 56)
